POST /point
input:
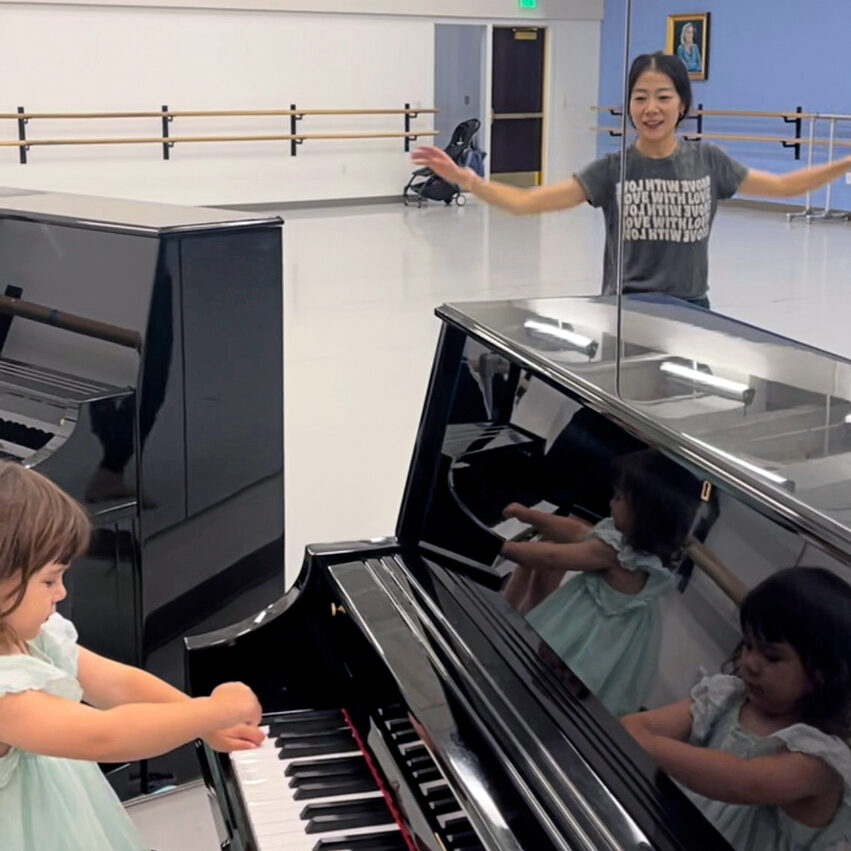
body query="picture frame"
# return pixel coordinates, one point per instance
(688, 38)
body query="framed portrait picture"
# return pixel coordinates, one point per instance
(688, 38)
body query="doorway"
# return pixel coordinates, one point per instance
(517, 105)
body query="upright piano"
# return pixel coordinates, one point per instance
(140, 369)
(409, 706)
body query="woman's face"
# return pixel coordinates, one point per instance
(688, 35)
(655, 106)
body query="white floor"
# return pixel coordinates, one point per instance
(360, 289)
(361, 285)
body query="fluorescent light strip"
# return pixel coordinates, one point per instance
(760, 471)
(716, 382)
(549, 330)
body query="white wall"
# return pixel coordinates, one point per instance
(489, 9)
(109, 57)
(458, 78)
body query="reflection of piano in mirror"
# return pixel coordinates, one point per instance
(455, 710)
(155, 399)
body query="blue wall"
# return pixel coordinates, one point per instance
(763, 54)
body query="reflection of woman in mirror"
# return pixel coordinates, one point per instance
(673, 187)
(687, 50)
(764, 753)
(604, 622)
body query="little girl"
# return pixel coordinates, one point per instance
(604, 622)
(763, 754)
(53, 796)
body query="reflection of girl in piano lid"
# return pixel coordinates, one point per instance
(604, 622)
(52, 793)
(764, 753)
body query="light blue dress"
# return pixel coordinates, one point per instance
(609, 639)
(48, 803)
(716, 703)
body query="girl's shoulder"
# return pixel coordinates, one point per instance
(629, 558)
(802, 738)
(57, 640)
(805, 739)
(51, 664)
(714, 698)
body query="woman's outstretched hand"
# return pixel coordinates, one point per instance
(441, 164)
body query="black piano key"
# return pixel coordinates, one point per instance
(399, 724)
(389, 841)
(456, 825)
(306, 726)
(418, 757)
(402, 736)
(441, 802)
(332, 786)
(313, 768)
(459, 838)
(345, 815)
(315, 745)
(318, 714)
(426, 774)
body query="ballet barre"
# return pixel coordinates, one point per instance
(166, 116)
(717, 571)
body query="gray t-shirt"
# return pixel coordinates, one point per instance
(670, 206)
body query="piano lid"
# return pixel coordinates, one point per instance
(121, 215)
(769, 414)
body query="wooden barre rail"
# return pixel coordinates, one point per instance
(164, 140)
(734, 113)
(167, 140)
(71, 322)
(718, 572)
(740, 137)
(214, 113)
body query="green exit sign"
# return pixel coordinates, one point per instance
(528, 4)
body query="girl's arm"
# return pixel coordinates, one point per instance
(792, 183)
(514, 199)
(551, 526)
(107, 684)
(591, 554)
(673, 721)
(778, 780)
(53, 726)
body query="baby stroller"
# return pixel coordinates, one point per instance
(425, 185)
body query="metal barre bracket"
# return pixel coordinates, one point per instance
(294, 119)
(166, 119)
(409, 137)
(22, 136)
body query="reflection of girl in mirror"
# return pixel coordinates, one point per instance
(604, 622)
(673, 187)
(763, 754)
(687, 50)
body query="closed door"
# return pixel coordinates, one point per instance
(517, 114)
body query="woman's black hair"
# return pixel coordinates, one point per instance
(670, 66)
(662, 498)
(809, 608)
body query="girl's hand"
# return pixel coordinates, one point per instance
(441, 164)
(242, 737)
(238, 703)
(515, 509)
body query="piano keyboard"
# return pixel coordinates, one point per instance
(308, 786)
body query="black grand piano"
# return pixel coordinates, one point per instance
(409, 706)
(140, 369)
